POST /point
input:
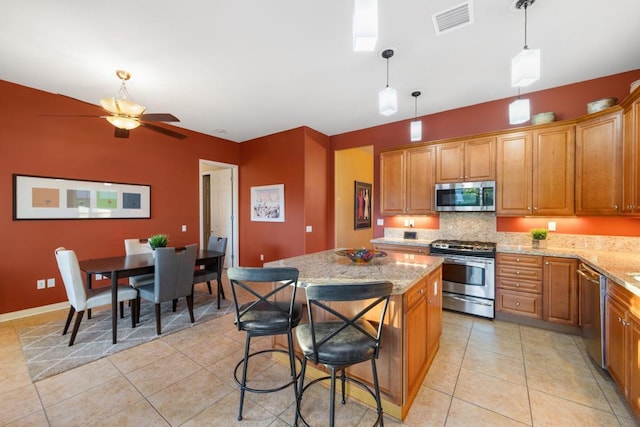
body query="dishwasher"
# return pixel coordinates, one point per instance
(592, 291)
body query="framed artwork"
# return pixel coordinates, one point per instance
(362, 205)
(41, 197)
(267, 203)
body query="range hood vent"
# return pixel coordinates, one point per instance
(453, 18)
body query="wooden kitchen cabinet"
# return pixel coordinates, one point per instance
(630, 158)
(599, 164)
(423, 328)
(471, 160)
(622, 341)
(535, 172)
(407, 181)
(560, 291)
(519, 284)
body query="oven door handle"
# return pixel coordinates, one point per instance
(466, 261)
(472, 301)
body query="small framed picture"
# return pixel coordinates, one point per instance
(267, 203)
(362, 205)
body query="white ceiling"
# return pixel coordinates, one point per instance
(255, 67)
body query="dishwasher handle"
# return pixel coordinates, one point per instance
(588, 277)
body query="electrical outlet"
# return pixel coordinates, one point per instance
(411, 223)
(99, 276)
(551, 226)
(40, 283)
(184, 228)
(309, 229)
(261, 257)
(51, 283)
(406, 222)
(380, 221)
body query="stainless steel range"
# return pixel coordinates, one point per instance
(468, 276)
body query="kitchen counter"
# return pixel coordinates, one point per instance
(403, 270)
(617, 266)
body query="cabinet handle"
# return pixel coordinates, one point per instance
(517, 259)
(517, 285)
(535, 208)
(422, 291)
(517, 304)
(517, 272)
(528, 208)
(546, 263)
(615, 207)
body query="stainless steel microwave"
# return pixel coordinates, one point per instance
(466, 197)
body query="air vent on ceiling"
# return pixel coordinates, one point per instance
(453, 18)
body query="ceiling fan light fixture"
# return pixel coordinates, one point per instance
(121, 106)
(519, 111)
(121, 122)
(365, 25)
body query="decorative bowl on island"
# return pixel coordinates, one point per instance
(361, 256)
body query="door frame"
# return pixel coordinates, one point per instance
(232, 244)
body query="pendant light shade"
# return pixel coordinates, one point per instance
(365, 25)
(519, 111)
(387, 97)
(125, 112)
(525, 66)
(416, 125)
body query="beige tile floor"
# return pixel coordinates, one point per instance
(487, 373)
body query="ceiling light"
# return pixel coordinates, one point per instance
(121, 106)
(519, 111)
(416, 125)
(387, 97)
(365, 25)
(525, 66)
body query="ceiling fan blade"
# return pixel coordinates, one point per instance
(159, 117)
(121, 133)
(71, 115)
(163, 131)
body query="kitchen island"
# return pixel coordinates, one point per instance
(413, 325)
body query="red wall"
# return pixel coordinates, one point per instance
(568, 102)
(34, 143)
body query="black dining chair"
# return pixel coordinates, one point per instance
(272, 310)
(345, 328)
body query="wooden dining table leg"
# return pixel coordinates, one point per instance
(89, 276)
(114, 305)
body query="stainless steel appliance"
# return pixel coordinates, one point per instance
(468, 276)
(592, 291)
(466, 197)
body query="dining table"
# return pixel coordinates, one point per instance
(124, 266)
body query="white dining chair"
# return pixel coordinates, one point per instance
(81, 298)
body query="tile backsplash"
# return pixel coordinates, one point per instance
(481, 226)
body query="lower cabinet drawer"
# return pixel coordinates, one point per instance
(521, 303)
(519, 285)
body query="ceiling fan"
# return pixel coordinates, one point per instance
(127, 115)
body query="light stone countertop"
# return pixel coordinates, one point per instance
(403, 270)
(615, 265)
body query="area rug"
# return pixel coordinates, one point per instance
(47, 352)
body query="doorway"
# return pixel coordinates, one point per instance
(219, 206)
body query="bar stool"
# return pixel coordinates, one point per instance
(271, 313)
(343, 339)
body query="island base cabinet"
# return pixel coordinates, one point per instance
(622, 342)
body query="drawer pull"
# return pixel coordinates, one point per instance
(517, 285)
(517, 304)
(517, 259)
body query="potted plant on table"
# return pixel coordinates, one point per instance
(539, 238)
(158, 241)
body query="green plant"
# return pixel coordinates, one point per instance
(539, 233)
(158, 241)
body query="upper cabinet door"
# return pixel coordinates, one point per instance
(450, 162)
(553, 171)
(598, 165)
(514, 174)
(420, 178)
(392, 183)
(480, 159)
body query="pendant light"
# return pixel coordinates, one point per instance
(519, 111)
(525, 66)
(388, 97)
(416, 125)
(365, 25)
(126, 113)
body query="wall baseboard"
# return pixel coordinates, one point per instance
(33, 311)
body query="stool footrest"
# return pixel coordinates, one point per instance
(269, 390)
